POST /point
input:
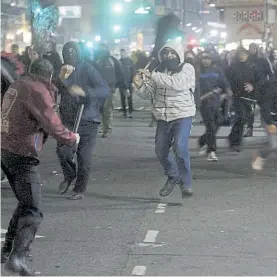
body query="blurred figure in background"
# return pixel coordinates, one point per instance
(213, 85)
(244, 78)
(111, 71)
(129, 72)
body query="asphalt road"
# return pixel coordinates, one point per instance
(123, 227)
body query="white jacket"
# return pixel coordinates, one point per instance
(172, 95)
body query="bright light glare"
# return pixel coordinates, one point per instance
(116, 28)
(212, 5)
(141, 11)
(13, 4)
(116, 40)
(128, 1)
(89, 44)
(202, 40)
(97, 38)
(179, 38)
(189, 24)
(117, 8)
(223, 35)
(214, 33)
(194, 28)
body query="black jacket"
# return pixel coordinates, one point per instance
(128, 69)
(240, 73)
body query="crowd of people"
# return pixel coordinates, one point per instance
(176, 82)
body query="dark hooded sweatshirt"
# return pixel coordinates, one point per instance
(94, 86)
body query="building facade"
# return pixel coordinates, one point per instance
(249, 19)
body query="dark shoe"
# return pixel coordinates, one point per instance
(76, 196)
(168, 187)
(130, 115)
(17, 264)
(64, 186)
(235, 148)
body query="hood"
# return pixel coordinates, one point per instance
(176, 46)
(76, 46)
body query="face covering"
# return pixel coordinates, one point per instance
(70, 56)
(171, 64)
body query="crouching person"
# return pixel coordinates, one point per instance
(27, 116)
(171, 85)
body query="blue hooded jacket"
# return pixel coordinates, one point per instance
(94, 86)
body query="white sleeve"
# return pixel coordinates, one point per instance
(184, 80)
(147, 90)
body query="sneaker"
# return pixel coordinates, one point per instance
(212, 157)
(168, 187)
(258, 163)
(106, 135)
(186, 192)
(76, 196)
(130, 115)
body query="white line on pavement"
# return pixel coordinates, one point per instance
(139, 270)
(161, 208)
(151, 236)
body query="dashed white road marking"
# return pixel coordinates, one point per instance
(139, 270)
(4, 231)
(161, 208)
(151, 236)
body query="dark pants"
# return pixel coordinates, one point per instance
(250, 110)
(88, 134)
(123, 100)
(175, 134)
(211, 118)
(243, 110)
(25, 182)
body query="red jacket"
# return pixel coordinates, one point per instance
(27, 113)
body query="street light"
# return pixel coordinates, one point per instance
(97, 38)
(117, 8)
(116, 28)
(89, 44)
(212, 5)
(189, 24)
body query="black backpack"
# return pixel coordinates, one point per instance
(106, 68)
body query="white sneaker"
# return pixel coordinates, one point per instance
(212, 157)
(258, 163)
(202, 151)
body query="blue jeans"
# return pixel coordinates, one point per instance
(175, 134)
